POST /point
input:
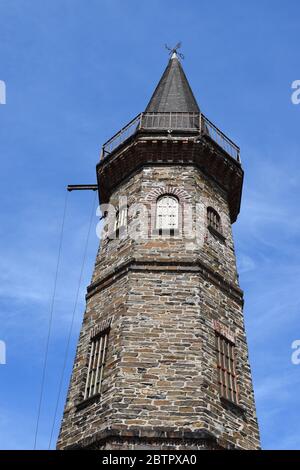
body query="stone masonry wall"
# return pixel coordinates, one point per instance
(162, 296)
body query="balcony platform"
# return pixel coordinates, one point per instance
(192, 140)
(171, 123)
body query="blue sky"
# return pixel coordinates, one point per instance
(75, 72)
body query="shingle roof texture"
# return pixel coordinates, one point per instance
(173, 92)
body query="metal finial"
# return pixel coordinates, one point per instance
(174, 50)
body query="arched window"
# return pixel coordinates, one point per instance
(167, 209)
(213, 219)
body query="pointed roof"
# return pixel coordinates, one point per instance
(173, 92)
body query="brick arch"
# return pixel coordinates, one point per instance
(181, 194)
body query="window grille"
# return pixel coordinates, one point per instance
(213, 219)
(97, 357)
(167, 216)
(226, 368)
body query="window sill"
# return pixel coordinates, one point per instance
(88, 401)
(216, 234)
(168, 233)
(232, 405)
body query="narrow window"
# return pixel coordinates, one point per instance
(226, 368)
(97, 357)
(167, 214)
(120, 221)
(213, 219)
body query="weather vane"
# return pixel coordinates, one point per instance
(174, 50)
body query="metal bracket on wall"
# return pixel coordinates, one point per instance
(82, 187)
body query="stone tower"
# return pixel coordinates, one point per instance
(162, 359)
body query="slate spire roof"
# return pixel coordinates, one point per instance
(173, 92)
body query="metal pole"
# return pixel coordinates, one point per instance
(82, 187)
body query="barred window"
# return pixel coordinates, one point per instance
(213, 219)
(167, 214)
(226, 368)
(97, 357)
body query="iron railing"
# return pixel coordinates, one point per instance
(120, 137)
(178, 121)
(208, 128)
(194, 122)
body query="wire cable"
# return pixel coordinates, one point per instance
(50, 323)
(72, 323)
